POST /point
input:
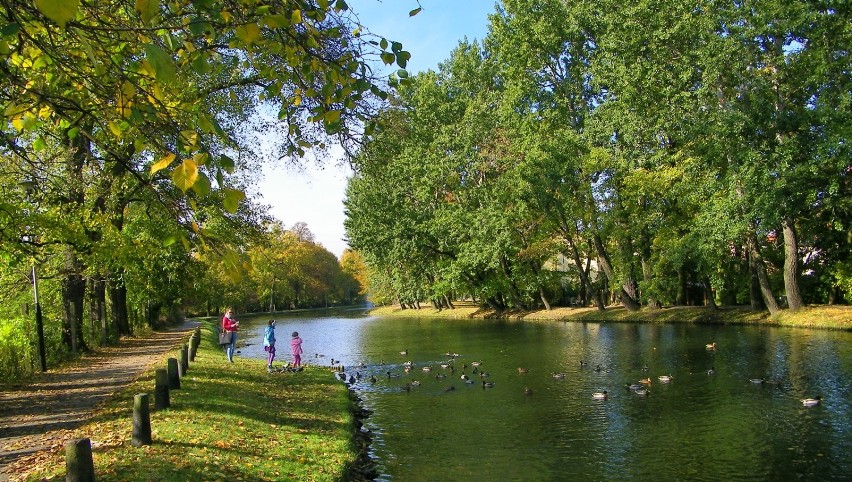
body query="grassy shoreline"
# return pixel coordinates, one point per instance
(818, 317)
(227, 422)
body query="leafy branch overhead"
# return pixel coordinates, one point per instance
(174, 89)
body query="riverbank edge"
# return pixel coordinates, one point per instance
(832, 317)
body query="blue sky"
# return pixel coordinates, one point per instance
(316, 196)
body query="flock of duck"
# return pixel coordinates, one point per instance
(448, 369)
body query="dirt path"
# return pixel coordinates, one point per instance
(44, 413)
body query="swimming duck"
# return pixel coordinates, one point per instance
(469, 381)
(408, 364)
(584, 363)
(372, 379)
(711, 346)
(414, 383)
(600, 395)
(487, 384)
(445, 365)
(440, 376)
(642, 392)
(645, 381)
(634, 386)
(404, 352)
(341, 376)
(351, 380)
(464, 377)
(484, 374)
(527, 391)
(598, 368)
(711, 371)
(558, 376)
(665, 378)
(427, 369)
(523, 370)
(393, 375)
(475, 363)
(811, 402)
(450, 388)
(645, 368)
(758, 381)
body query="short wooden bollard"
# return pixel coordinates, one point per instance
(79, 466)
(141, 421)
(161, 389)
(194, 341)
(183, 360)
(174, 378)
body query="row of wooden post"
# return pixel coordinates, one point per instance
(79, 465)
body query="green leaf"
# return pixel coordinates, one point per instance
(60, 11)
(227, 164)
(276, 21)
(388, 58)
(402, 73)
(10, 29)
(148, 9)
(383, 44)
(162, 63)
(232, 199)
(185, 175)
(170, 240)
(332, 116)
(415, 11)
(202, 185)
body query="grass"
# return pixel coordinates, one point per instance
(228, 422)
(832, 317)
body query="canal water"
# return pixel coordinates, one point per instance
(540, 422)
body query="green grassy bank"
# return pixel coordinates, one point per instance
(823, 317)
(227, 422)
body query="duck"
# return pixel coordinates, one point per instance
(392, 375)
(523, 370)
(475, 363)
(634, 386)
(351, 380)
(758, 381)
(665, 378)
(598, 368)
(445, 365)
(484, 374)
(372, 379)
(427, 369)
(414, 383)
(527, 391)
(811, 402)
(645, 381)
(464, 377)
(440, 376)
(450, 388)
(469, 382)
(404, 352)
(558, 376)
(645, 368)
(487, 384)
(642, 392)
(710, 346)
(584, 363)
(711, 371)
(600, 395)
(341, 376)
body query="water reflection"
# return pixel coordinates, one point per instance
(698, 427)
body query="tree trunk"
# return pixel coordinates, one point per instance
(759, 268)
(118, 304)
(544, 298)
(584, 273)
(448, 302)
(791, 265)
(708, 293)
(73, 292)
(681, 286)
(97, 307)
(647, 276)
(603, 258)
(514, 293)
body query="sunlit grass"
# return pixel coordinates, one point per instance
(827, 317)
(227, 422)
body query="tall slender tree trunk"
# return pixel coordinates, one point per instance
(681, 286)
(118, 304)
(708, 294)
(544, 298)
(759, 268)
(584, 274)
(791, 265)
(626, 300)
(73, 293)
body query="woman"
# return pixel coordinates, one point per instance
(230, 325)
(269, 344)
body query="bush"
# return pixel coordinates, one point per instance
(17, 351)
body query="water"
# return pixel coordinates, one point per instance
(698, 427)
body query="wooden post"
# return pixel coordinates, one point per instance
(141, 421)
(193, 346)
(174, 378)
(72, 312)
(183, 360)
(161, 390)
(79, 466)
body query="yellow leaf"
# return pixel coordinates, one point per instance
(147, 9)
(248, 33)
(60, 11)
(162, 163)
(296, 17)
(185, 175)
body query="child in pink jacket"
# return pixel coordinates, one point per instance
(296, 348)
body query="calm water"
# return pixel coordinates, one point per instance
(698, 427)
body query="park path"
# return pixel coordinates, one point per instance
(44, 413)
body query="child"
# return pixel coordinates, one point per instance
(296, 348)
(269, 344)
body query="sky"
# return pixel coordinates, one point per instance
(315, 196)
